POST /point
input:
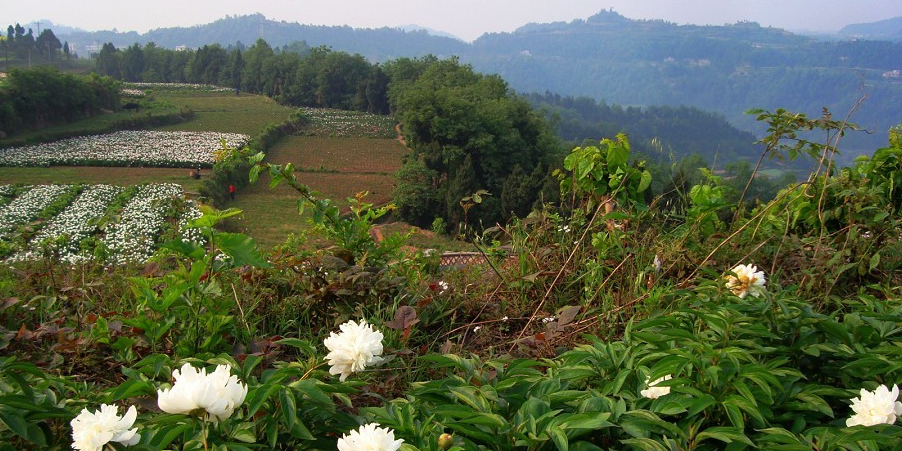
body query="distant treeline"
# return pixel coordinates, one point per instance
(43, 96)
(293, 75)
(24, 45)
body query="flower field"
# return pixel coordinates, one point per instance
(348, 124)
(184, 87)
(121, 225)
(125, 148)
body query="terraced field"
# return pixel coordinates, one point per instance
(342, 168)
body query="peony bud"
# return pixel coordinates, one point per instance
(445, 441)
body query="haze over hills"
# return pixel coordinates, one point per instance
(727, 69)
(375, 44)
(889, 29)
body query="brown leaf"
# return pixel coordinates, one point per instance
(566, 314)
(405, 317)
(446, 348)
(9, 302)
(23, 332)
(150, 269)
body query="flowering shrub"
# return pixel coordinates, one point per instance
(125, 148)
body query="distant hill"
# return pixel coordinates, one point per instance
(889, 29)
(726, 69)
(430, 31)
(375, 44)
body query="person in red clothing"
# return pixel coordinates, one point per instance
(232, 191)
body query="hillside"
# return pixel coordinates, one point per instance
(889, 29)
(375, 44)
(726, 69)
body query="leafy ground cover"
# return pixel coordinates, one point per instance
(601, 324)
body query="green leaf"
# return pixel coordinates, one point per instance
(724, 434)
(241, 248)
(559, 439)
(874, 262)
(289, 408)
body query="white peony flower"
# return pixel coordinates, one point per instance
(217, 393)
(353, 349)
(92, 430)
(748, 280)
(876, 407)
(369, 437)
(654, 392)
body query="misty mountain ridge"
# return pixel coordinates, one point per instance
(727, 69)
(889, 29)
(379, 44)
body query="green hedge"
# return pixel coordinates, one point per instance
(234, 171)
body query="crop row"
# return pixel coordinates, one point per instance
(119, 225)
(347, 124)
(190, 87)
(125, 148)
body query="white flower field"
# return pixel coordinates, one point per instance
(125, 148)
(123, 224)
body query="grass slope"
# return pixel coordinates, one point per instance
(360, 164)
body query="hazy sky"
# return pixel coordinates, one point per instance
(467, 19)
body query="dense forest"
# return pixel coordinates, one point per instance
(659, 132)
(726, 69)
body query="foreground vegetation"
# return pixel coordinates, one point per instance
(604, 322)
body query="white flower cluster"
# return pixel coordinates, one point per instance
(179, 87)
(747, 281)
(876, 407)
(6, 190)
(356, 347)
(189, 212)
(218, 393)
(126, 148)
(76, 221)
(25, 207)
(132, 238)
(133, 92)
(369, 437)
(92, 430)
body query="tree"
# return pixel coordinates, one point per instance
(131, 63)
(66, 50)
(108, 61)
(48, 44)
